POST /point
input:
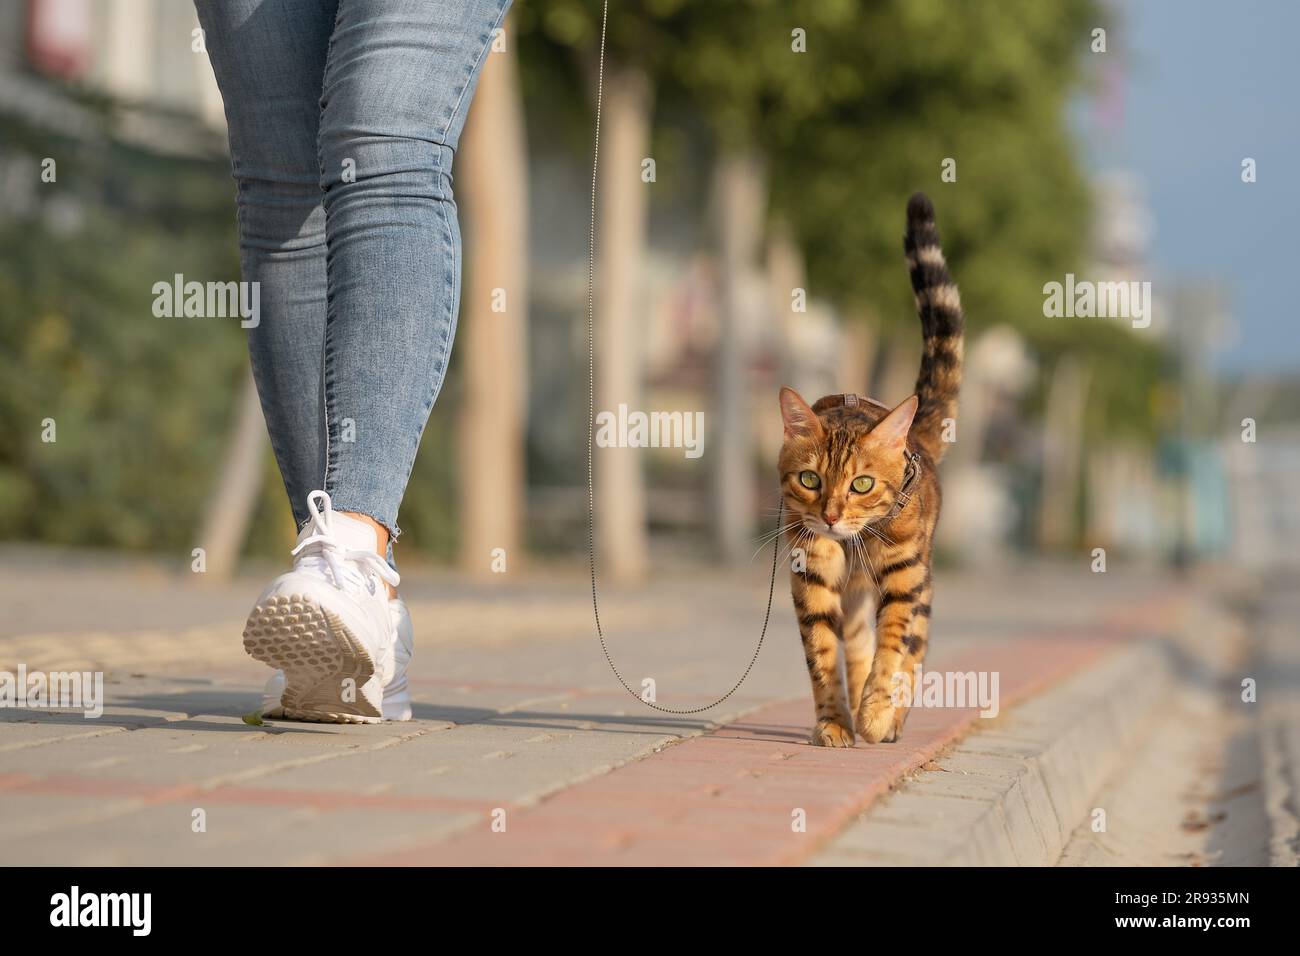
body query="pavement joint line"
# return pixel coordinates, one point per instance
(86, 735)
(532, 702)
(143, 796)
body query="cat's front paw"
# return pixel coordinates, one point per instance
(879, 721)
(827, 733)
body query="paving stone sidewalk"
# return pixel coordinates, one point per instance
(523, 749)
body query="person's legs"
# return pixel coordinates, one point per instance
(359, 263)
(398, 82)
(325, 626)
(268, 57)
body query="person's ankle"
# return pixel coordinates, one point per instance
(381, 541)
(381, 533)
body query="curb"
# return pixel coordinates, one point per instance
(1279, 734)
(1012, 795)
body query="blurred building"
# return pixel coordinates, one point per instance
(146, 57)
(1264, 493)
(137, 51)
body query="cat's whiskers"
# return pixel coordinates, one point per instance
(866, 556)
(795, 542)
(787, 525)
(879, 534)
(770, 536)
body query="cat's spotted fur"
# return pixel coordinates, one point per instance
(871, 549)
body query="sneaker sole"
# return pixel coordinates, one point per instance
(317, 653)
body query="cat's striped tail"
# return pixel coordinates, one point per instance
(939, 306)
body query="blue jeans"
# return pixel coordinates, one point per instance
(344, 116)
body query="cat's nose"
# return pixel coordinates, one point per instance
(830, 517)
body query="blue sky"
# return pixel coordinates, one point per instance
(1207, 83)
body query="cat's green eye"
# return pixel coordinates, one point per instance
(810, 480)
(863, 483)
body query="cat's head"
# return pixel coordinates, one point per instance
(838, 475)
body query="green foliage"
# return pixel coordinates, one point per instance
(140, 404)
(886, 93)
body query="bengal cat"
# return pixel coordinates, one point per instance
(860, 485)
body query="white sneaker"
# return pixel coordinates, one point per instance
(397, 692)
(326, 624)
(397, 695)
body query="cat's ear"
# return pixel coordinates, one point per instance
(800, 420)
(891, 431)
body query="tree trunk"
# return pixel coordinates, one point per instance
(234, 496)
(739, 194)
(1067, 401)
(620, 306)
(902, 357)
(493, 173)
(857, 355)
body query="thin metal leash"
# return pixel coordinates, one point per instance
(591, 427)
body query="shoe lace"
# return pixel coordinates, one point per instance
(348, 567)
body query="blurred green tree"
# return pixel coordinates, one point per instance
(139, 403)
